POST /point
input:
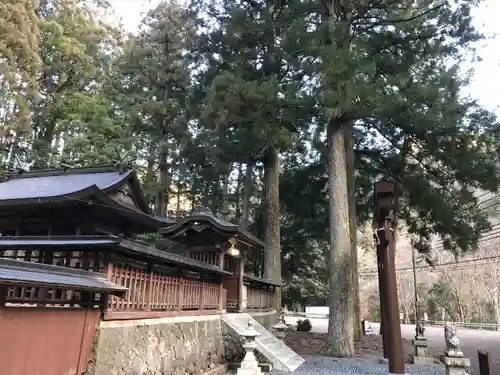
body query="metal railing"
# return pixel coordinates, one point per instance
(479, 326)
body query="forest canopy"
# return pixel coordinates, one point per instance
(277, 115)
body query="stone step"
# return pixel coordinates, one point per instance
(280, 355)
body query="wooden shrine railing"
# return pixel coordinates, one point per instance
(156, 294)
(260, 298)
(27, 296)
(210, 257)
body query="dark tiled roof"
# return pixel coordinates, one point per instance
(79, 184)
(19, 273)
(65, 183)
(204, 214)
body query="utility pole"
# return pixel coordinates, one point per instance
(381, 288)
(384, 216)
(414, 266)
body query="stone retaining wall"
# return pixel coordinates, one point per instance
(165, 346)
(173, 346)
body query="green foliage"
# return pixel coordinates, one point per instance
(304, 325)
(202, 91)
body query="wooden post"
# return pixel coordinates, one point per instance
(241, 269)
(484, 359)
(221, 283)
(180, 293)
(384, 216)
(221, 294)
(149, 287)
(221, 260)
(108, 299)
(202, 293)
(3, 295)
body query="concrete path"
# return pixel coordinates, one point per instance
(470, 340)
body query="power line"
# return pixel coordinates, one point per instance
(465, 261)
(485, 238)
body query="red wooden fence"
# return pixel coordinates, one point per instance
(157, 292)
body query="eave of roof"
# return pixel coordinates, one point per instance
(21, 273)
(27, 242)
(88, 195)
(148, 251)
(125, 245)
(259, 280)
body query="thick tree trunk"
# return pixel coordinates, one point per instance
(272, 253)
(225, 195)
(161, 200)
(195, 188)
(237, 195)
(247, 195)
(340, 341)
(178, 203)
(150, 175)
(42, 145)
(351, 191)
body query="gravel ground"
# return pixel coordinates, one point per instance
(316, 365)
(313, 344)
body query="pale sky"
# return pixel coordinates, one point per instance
(486, 81)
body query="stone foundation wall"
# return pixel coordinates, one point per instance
(166, 346)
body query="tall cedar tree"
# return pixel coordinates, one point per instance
(386, 68)
(255, 98)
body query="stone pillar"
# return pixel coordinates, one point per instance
(456, 365)
(420, 351)
(454, 361)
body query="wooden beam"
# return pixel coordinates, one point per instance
(132, 315)
(4, 289)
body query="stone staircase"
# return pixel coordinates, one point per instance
(281, 356)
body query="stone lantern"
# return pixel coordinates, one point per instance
(280, 329)
(249, 365)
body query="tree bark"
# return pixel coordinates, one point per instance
(353, 225)
(237, 195)
(150, 175)
(340, 341)
(225, 195)
(272, 252)
(161, 200)
(247, 195)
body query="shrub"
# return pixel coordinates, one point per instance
(304, 325)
